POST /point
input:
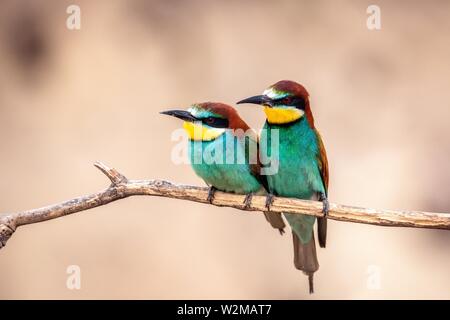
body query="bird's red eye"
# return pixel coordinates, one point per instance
(287, 100)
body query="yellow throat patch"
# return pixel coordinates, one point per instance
(282, 115)
(198, 132)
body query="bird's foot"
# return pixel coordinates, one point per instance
(269, 200)
(211, 193)
(248, 200)
(325, 203)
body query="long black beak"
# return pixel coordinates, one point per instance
(262, 100)
(180, 114)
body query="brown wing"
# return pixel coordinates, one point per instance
(255, 168)
(323, 168)
(323, 162)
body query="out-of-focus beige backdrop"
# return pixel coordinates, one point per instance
(67, 98)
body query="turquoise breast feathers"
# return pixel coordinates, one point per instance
(224, 163)
(298, 175)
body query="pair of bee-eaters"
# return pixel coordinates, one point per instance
(301, 167)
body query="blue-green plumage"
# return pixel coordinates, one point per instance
(298, 173)
(226, 168)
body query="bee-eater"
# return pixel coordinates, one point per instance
(302, 167)
(220, 147)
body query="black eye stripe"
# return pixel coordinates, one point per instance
(215, 122)
(291, 101)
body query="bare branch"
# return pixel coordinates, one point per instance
(121, 188)
(113, 175)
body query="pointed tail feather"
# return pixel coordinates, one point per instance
(311, 282)
(305, 258)
(275, 220)
(322, 231)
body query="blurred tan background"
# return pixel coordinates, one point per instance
(67, 98)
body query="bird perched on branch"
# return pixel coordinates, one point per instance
(224, 152)
(303, 165)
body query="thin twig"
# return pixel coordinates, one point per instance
(121, 188)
